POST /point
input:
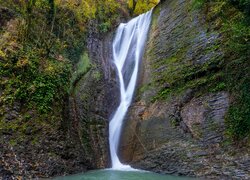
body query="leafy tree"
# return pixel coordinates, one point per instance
(140, 6)
(46, 39)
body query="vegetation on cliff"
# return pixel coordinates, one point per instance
(233, 22)
(140, 6)
(223, 66)
(43, 54)
(40, 46)
(43, 41)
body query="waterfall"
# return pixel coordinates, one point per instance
(128, 47)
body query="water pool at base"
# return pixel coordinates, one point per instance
(120, 175)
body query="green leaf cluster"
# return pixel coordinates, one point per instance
(137, 7)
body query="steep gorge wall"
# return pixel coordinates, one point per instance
(177, 123)
(94, 98)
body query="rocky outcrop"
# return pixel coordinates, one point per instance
(94, 98)
(177, 123)
(40, 152)
(204, 117)
(5, 15)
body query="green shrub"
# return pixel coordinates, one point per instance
(82, 67)
(238, 118)
(197, 4)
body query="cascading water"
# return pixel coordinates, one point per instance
(128, 47)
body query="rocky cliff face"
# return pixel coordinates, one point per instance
(94, 98)
(177, 123)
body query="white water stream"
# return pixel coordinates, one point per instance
(128, 47)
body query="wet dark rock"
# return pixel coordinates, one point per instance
(5, 174)
(5, 15)
(94, 100)
(204, 116)
(183, 134)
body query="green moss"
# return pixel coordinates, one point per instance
(238, 117)
(198, 130)
(174, 122)
(13, 142)
(219, 87)
(97, 75)
(35, 141)
(156, 13)
(84, 96)
(162, 94)
(231, 19)
(213, 126)
(104, 27)
(82, 67)
(197, 4)
(144, 88)
(181, 76)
